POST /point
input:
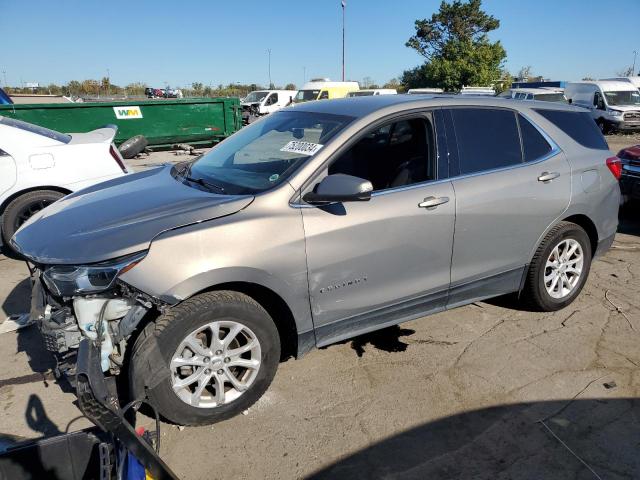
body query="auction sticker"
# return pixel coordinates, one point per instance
(126, 113)
(304, 148)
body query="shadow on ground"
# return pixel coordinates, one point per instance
(520, 441)
(388, 340)
(630, 219)
(19, 299)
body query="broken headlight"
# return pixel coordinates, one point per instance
(70, 280)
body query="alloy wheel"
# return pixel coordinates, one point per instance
(563, 269)
(215, 364)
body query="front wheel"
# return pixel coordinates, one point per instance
(559, 268)
(221, 350)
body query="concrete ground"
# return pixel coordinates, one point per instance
(487, 391)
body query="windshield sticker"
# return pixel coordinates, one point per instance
(274, 177)
(304, 148)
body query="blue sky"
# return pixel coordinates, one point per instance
(217, 41)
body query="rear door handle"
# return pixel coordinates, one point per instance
(548, 176)
(433, 202)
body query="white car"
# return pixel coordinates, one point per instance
(39, 166)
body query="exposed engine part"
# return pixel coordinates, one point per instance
(93, 315)
(59, 330)
(130, 321)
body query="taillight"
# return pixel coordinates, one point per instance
(615, 165)
(116, 157)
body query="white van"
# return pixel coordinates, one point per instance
(267, 101)
(545, 94)
(324, 89)
(424, 91)
(373, 91)
(614, 105)
(478, 91)
(635, 80)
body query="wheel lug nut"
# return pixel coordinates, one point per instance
(218, 352)
(227, 360)
(206, 359)
(220, 372)
(207, 371)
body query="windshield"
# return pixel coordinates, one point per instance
(625, 97)
(551, 97)
(306, 95)
(265, 153)
(360, 94)
(255, 97)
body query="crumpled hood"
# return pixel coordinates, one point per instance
(118, 217)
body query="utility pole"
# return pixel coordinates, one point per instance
(344, 4)
(108, 82)
(304, 75)
(4, 74)
(269, 51)
(633, 69)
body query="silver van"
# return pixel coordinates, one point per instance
(312, 225)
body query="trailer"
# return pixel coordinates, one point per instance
(194, 121)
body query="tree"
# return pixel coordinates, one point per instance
(456, 47)
(290, 86)
(524, 73)
(197, 88)
(625, 72)
(393, 83)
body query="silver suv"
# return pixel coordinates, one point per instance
(317, 223)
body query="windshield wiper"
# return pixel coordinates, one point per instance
(204, 183)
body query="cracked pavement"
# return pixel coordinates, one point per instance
(460, 394)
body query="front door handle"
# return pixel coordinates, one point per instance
(432, 202)
(548, 176)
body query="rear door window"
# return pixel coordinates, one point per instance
(534, 145)
(578, 125)
(487, 139)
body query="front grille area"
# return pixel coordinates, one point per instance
(632, 116)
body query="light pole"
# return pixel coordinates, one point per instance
(344, 4)
(4, 75)
(269, 51)
(108, 82)
(633, 68)
(304, 75)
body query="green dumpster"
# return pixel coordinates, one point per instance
(195, 121)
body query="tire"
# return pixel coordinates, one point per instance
(535, 292)
(133, 146)
(21, 208)
(172, 330)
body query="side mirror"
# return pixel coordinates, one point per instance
(340, 188)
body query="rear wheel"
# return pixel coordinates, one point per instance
(559, 268)
(21, 208)
(221, 350)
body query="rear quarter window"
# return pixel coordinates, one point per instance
(577, 125)
(534, 145)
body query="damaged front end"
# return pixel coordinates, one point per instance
(72, 302)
